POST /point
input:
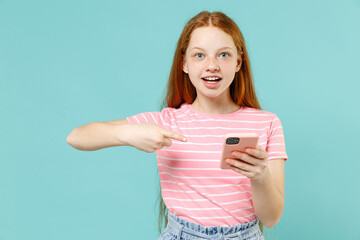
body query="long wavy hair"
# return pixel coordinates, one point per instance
(180, 89)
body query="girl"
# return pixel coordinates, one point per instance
(209, 94)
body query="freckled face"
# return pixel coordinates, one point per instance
(211, 51)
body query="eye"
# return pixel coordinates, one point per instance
(197, 54)
(224, 53)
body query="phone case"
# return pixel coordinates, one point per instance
(236, 142)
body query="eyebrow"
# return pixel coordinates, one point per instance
(218, 49)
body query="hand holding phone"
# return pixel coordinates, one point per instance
(236, 142)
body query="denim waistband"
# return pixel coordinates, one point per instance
(180, 227)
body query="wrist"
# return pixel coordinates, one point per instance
(261, 178)
(122, 134)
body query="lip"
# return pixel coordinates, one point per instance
(211, 85)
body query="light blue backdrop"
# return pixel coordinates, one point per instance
(64, 64)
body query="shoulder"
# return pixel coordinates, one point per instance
(171, 111)
(260, 113)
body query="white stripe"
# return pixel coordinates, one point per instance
(226, 194)
(225, 128)
(192, 209)
(242, 200)
(191, 159)
(203, 209)
(187, 200)
(206, 194)
(275, 152)
(273, 144)
(241, 209)
(249, 113)
(217, 169)
(153, 118)
(193, 151)
(202, 200)
(205, 144)
(276, 157)
(239, 177)
(275, 136)
(162, 119)
(221, 120)
(274, 129)
(183, 114)
(173, 150)
(136, 119)
(143, 115)
(222, 136)
(222, 217)
(223, 185)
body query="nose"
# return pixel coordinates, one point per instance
(212, 65)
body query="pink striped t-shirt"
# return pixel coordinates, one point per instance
(193, 186)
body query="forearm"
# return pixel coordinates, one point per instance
(97, 135)
(268, 201)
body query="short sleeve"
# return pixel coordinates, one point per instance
(276, 141)
(146, 117)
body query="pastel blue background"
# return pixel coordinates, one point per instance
(66, 63)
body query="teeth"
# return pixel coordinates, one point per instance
(212, 78)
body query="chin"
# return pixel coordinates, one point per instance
(215, 95)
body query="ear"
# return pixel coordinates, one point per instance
(185, 66)
(239, 63)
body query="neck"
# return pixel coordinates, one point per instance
(218, 105)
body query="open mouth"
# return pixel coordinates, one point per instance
(212, 79)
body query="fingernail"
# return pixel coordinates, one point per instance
(184, 139)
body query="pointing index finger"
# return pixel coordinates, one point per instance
(174, 135)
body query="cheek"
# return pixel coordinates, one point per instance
(194, 79)
(229, 70)
(195, 71)
(193, 82)
(229, 66)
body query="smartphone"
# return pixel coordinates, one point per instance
(236, 142)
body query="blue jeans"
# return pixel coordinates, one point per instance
(180, 229)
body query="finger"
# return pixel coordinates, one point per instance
(257, 152)
(174, 135)
(245, 157)
(240, 163)
(167, 142)
(253, 152)
(245, 173)
(243, 166)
